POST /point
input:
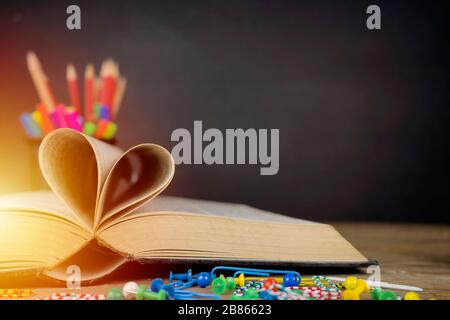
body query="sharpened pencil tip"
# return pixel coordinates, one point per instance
(89, 72)
(71, 72)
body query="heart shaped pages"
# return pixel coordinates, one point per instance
(100, 182)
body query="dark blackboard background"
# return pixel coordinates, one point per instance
(363, 115)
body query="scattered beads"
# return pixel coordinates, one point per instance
(299, 293)
(324, 283)
(75, 296)
(250, 284)
(16, 293)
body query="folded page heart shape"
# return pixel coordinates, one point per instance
(100, 182)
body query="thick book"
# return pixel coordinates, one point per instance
(103, 211)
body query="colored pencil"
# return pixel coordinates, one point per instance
(97, 89)
(40, 81)
(71, 115)
(72, 84)
(47, 123)
(110, 131)
(89, 91)
(109, 80)
(31, 127)
(59, 116)
(101, 129)
(37, 117)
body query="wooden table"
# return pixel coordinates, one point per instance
(417, 255)
(413, 254)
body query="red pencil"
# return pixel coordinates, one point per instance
(89, 90)
(109, 81)
(72, 83)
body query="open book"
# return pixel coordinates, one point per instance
(99, 216)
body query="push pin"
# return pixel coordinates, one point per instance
(354, 288)
(291, 280)
(156, 285)
(181, 276)
(221, 285)
(240, 281)
(129, 290)
(203, 279)
(143, 294)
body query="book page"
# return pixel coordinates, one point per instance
(140, 175)
(76, 167)
(172, 235)
(37, 240)
(213, 208)
(100, 182)
(44, 202)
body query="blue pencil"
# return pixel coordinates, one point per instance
(32, 129)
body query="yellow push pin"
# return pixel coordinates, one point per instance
(240, 281)
(361, 287)
(350, 295)
(351, 283)
(411, 296)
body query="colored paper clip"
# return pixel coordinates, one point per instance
(239, 270)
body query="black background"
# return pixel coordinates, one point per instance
(363, 115)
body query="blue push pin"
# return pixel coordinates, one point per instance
(291, 280)
(156, 285)
(181, 276)
(203, 279)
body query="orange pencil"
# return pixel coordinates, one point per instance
(89, 91)
(47, 123)
(72, 84)
(40, 81)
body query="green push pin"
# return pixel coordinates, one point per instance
(221, 285)
(388, 295)
(236, 297)
(115, 294)
(142, 294)
(218, 285)
(376, 293)
(230, 284)
(251, 294)
(141, 291)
